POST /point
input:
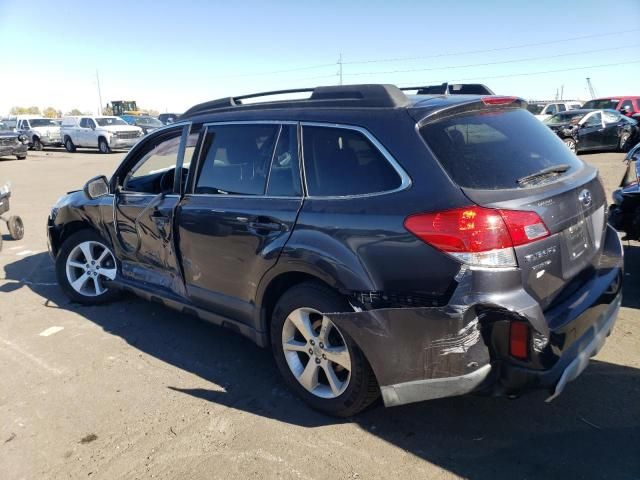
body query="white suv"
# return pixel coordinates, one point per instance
(103, 133)
(42, 132)
(544, 110)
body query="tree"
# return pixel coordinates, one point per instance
(74, 111)
(25, 110)
(51, 112)
(107, 110)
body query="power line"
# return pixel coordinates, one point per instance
(529, 73)
(544, 57)
(274, 72)
(499, 49)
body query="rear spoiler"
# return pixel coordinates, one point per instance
(493, 102)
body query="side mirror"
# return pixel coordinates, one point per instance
(96, 187)
(626, 110)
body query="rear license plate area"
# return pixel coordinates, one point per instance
(577, 240)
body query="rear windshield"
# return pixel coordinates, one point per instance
(492, 150)
(603, 103)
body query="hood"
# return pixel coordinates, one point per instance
(47, 129)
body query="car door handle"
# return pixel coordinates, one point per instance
(265, 225)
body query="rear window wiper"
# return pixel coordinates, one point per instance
(561, 168)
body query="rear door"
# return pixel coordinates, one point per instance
(242, 203)
(488, 156)
(613, 123)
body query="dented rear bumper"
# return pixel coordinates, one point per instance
(433, 352)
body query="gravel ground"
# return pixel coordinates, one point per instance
(134, 390)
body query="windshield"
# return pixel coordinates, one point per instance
(560, 118)
(4, 126)
(602, 103)
(110, 121)
(148, 121)
(492, 150)
(535, 109)
(42, 122)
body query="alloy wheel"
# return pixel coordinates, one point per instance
(88, 265)
(316, 353)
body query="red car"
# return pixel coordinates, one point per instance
(629, 105)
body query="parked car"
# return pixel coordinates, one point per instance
(147, 123)
(544, 110)
(41, 132)
(104, 133)
(167, 118)
(624, 213)
(452, 89)
(583, 129)
(12, 143)
(415, 247)
(628, 106)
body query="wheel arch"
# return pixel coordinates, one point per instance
(61, 234)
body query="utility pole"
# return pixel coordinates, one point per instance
(99, 93)
(591, 90)
(562, 92)
(340, 68)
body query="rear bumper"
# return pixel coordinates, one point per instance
(426, 353)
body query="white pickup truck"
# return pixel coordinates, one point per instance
(103, 133)
(41, 132)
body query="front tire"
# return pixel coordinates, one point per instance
(68, 145)
(103, 146)
(318, 360)
(570, 143)
(37, 144)
(83, 264)
(21, 157)
(16, 227)
(624, 141)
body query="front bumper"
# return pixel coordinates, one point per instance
(17, 149)
(57, 141)
(115, 142)
(426, 353)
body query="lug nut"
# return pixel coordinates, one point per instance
(317, 360)
(312, 342)
(324, 357)
(321, 345)
(311, 351)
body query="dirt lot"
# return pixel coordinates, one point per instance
(133, 390)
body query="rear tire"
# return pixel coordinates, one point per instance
(353, 385)
(68, 145)
(103, 146)
(21, 157)
(16, 227)
(84, 261)
(570, 143)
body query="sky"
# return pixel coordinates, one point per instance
(169, 55)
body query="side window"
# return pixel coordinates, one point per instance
(594, 120)
(284, 176)
(552, 110)
(561, 107)
(84, 123)
(155, 169)
(236, 159)
(91, 123)
(341, 162)
(611, 117)
(626, 103)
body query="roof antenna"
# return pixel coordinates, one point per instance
(445, 88)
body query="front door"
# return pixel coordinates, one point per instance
(591, 133)
(147, 194)
(242, 204)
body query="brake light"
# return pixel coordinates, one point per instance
(519, 340)
(495, 100)
(477, 235)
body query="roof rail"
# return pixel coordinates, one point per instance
(452, 88)
(366, 95)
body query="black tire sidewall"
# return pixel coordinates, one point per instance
(61, 267)
(311, 295)
(624, 140)
(102, 142)
(68, 145)
(37, 144)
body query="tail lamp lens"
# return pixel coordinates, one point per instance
(477, 235)
(519, 340)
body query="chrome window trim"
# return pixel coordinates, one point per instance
(405, 180)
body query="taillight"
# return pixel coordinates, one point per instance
(519, 340)
(496, 100)
(477, 235)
